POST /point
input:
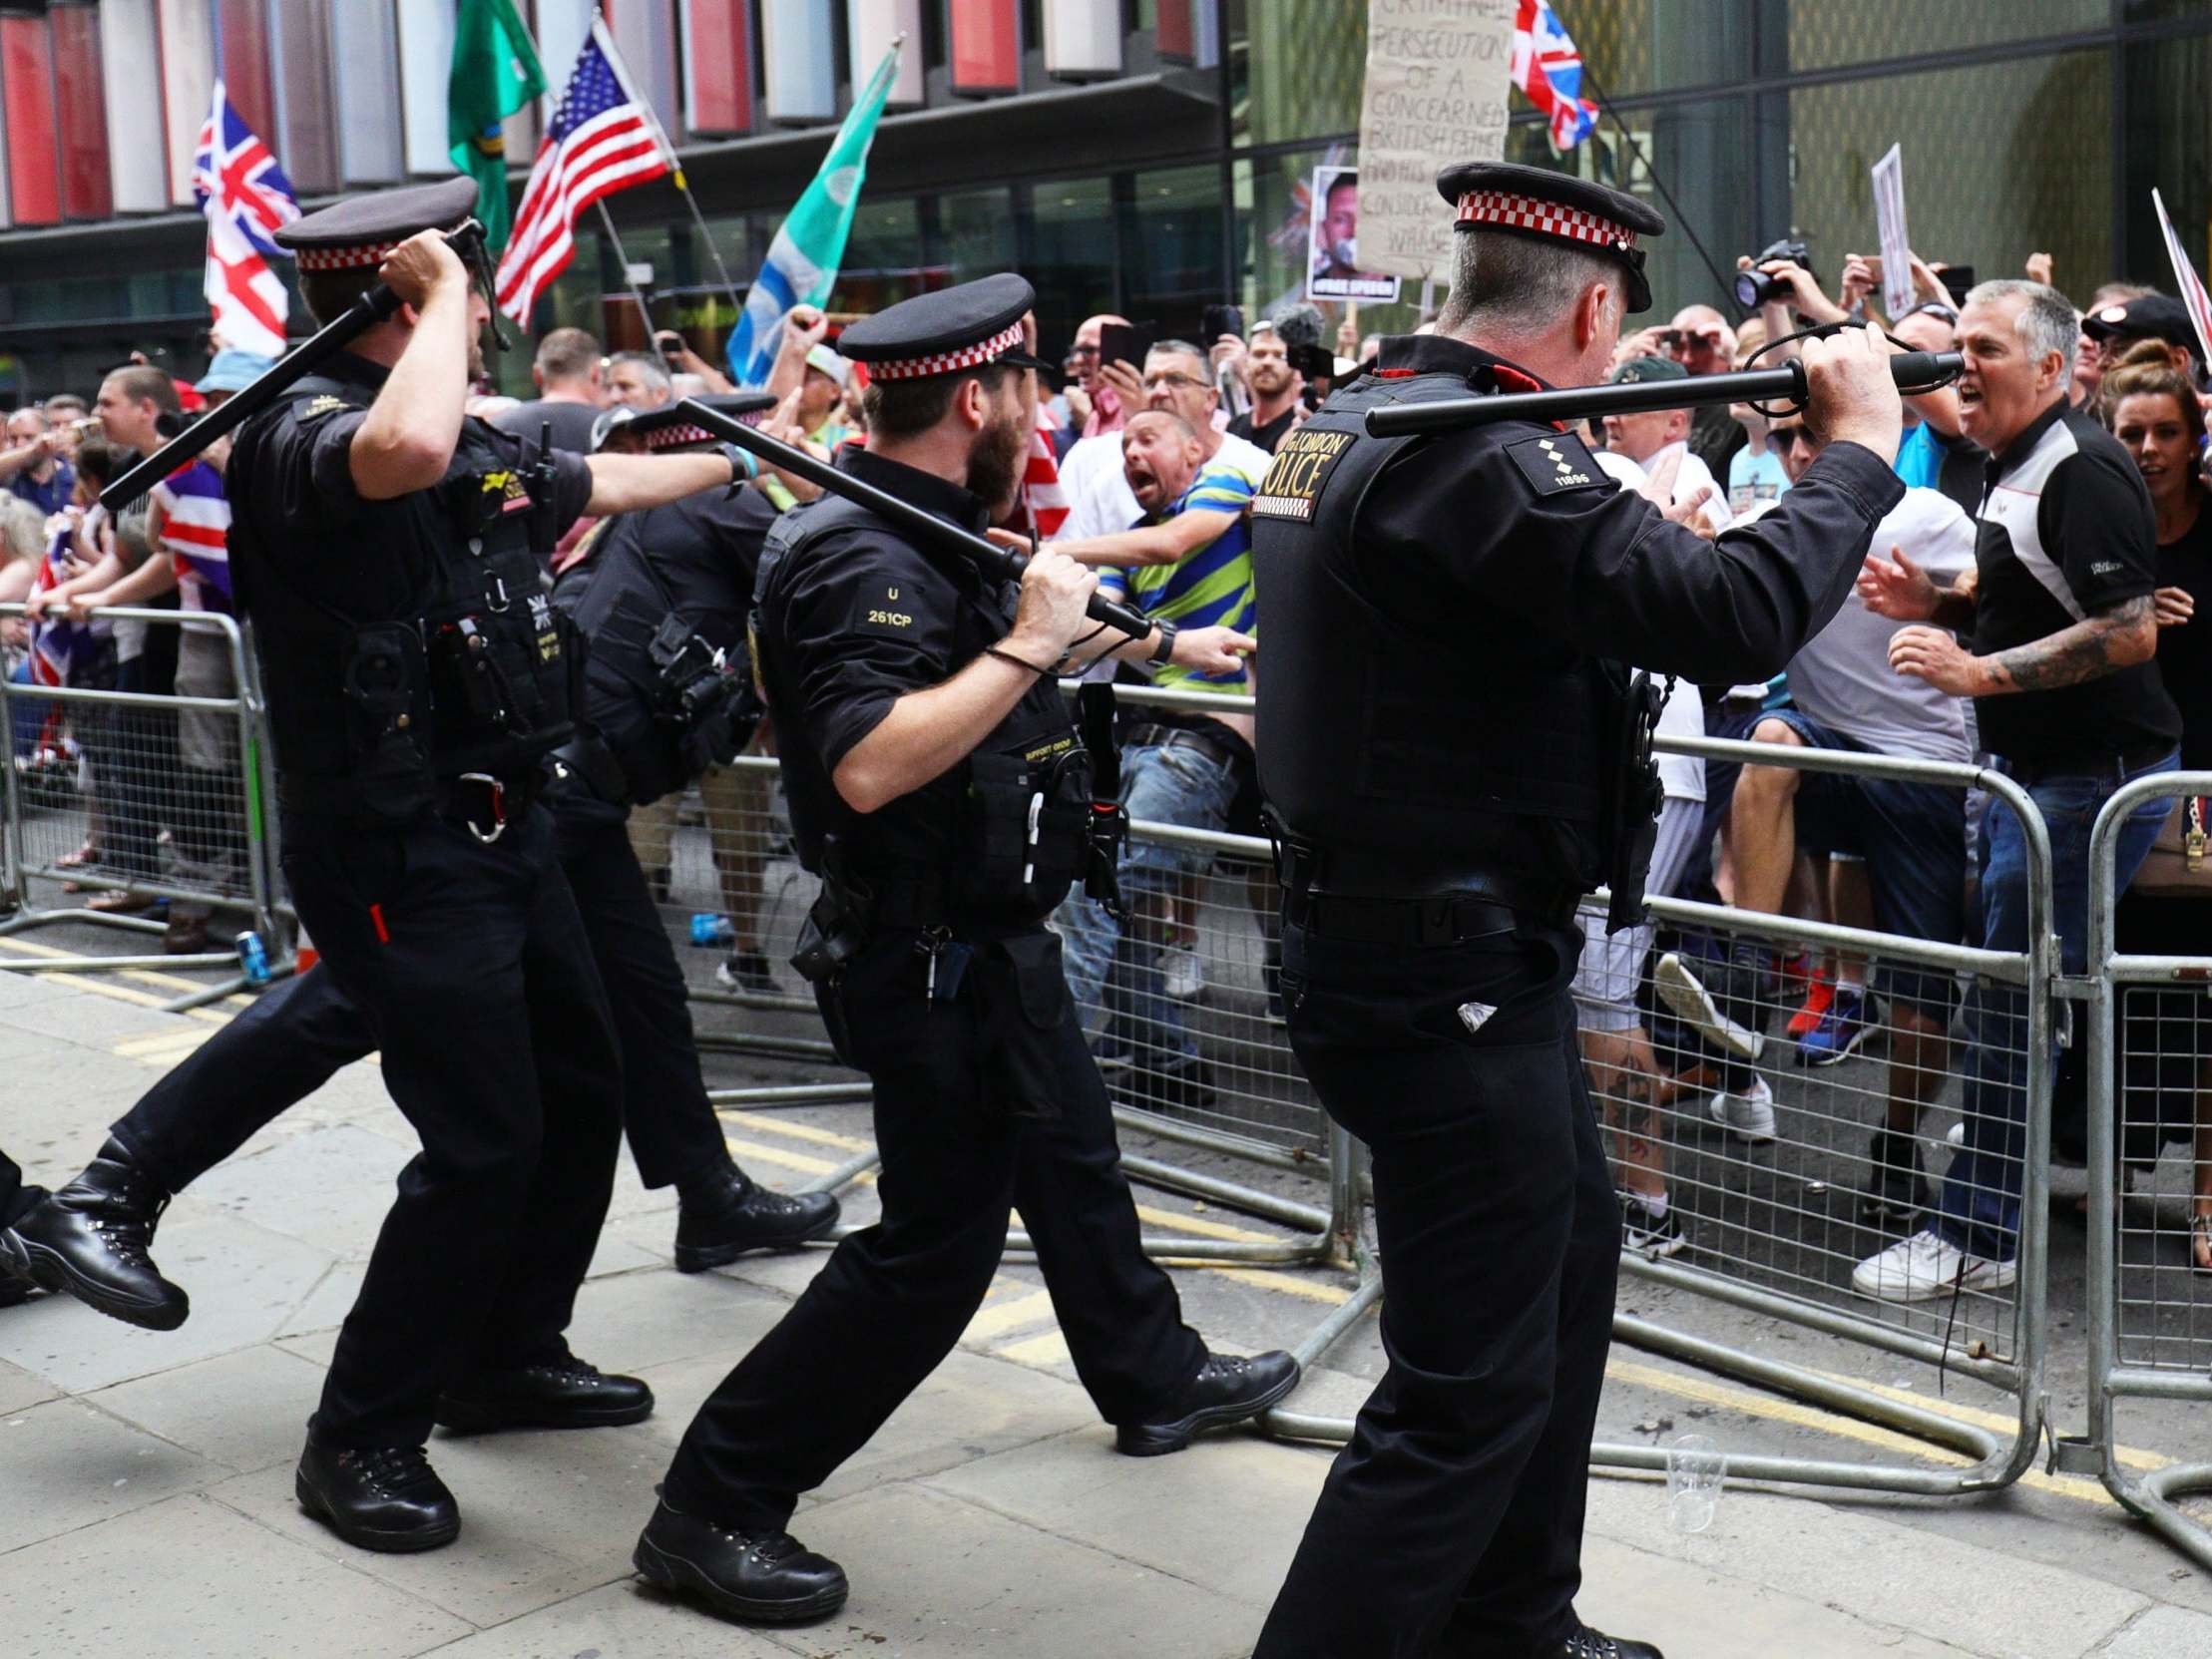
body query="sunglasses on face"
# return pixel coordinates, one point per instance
(1932, 308)
(1782, 439)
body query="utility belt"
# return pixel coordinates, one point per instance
(484, 803)
(1372, 897)
(1153, 735)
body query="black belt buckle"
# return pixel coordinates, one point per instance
(497, 793)
(1437, 918)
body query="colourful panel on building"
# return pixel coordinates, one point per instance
(717, 65)
(986, 45)
(81, 124)
(27, 82)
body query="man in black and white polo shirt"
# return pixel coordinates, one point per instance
(2062, 632)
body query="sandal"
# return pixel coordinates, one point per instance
(121, 902)
(2200, 1243)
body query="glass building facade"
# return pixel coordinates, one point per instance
(1146, 157)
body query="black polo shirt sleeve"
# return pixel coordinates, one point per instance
(571, 477)
(1523, 520)
(868, 621)
(2098, 516)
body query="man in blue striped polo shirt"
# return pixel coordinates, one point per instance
(1177, 767)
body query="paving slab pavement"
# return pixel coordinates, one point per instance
(146, 1501)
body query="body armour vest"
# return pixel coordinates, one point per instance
(999, 837)
(1424, 729)
(471, 671)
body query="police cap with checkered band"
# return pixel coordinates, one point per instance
(1554, 207)
(671, 428)
(357, 233)
(959, 328)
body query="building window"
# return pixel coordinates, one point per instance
(1173, 229)
(1071, 255)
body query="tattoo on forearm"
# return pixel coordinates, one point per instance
(2072, 655)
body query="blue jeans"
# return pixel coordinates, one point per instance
(1177, 785)
(1980, 1209)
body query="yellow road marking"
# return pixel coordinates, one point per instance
(1199, 1228)
(1046, 1350)
(997, 1319)
(1997, 1421)
(752, 1151)
(2078, 1487)
(797, 1131)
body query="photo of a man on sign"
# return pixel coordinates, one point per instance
(1332, 250)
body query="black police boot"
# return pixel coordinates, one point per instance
(1226, 1391)
(91, 1237)
(751, 1577)
(384, 1497)
(564, 1393)
(13, 1290)
(1586, 1643)
(1893, 1189)
(722, 1217)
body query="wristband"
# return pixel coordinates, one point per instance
(742, 466)
(1019, 662)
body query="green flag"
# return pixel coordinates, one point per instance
(495, 73)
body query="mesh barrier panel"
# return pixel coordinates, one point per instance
(2164, 1087)
(1788, 1170)
(139, 794)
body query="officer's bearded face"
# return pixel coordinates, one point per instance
(479, 319)
(1001, 448)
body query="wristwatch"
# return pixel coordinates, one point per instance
(1166, 653)
(742, 466)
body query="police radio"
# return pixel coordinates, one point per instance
(1632, 801)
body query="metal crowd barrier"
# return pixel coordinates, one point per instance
(170, 789)
(2150, 1086)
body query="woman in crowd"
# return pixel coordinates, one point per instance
(2154, 412)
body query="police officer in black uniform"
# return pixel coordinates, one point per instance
(936, 783)
(387, 548)
(661, 595)
(17, 1200)
(1443, 745)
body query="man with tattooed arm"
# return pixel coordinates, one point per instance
(2055, 645)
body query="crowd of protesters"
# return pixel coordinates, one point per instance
(2030, 605)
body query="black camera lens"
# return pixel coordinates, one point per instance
(1755, 289)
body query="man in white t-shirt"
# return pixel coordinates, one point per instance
(1911, 836)
(1658, 442)
(1178, 378)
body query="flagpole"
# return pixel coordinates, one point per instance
(644, 312)
(676, 172)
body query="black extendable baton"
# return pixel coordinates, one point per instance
(1913, 371)
(917, 522)
(377, 305)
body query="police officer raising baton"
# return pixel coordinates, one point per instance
(388, 551)
(1442, 814)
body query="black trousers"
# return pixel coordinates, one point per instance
(16, 1199)
(893, 1298)
(296, 1037)
(470, 966)
(1453, 1521)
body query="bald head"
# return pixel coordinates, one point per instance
(1704, 342)
(1085, 350)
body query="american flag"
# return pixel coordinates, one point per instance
(1549, 69)
(247, 198)
(602, 140)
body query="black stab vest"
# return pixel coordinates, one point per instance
(962, 838)
(1416, 730)
(474, 671)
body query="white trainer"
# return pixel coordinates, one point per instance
(1182, 973)
(1749, 1115)
(1927, 1265)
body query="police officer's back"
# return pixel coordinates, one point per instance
(387, 548)
(1441, 739)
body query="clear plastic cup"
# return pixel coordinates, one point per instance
(1696, 1470)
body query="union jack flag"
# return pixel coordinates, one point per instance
(1549, 69)
(247, 198)
(57, 643)
(600, 140)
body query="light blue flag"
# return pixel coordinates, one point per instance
(803, 259)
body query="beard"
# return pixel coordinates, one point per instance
(475, 356)
(995, 463)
